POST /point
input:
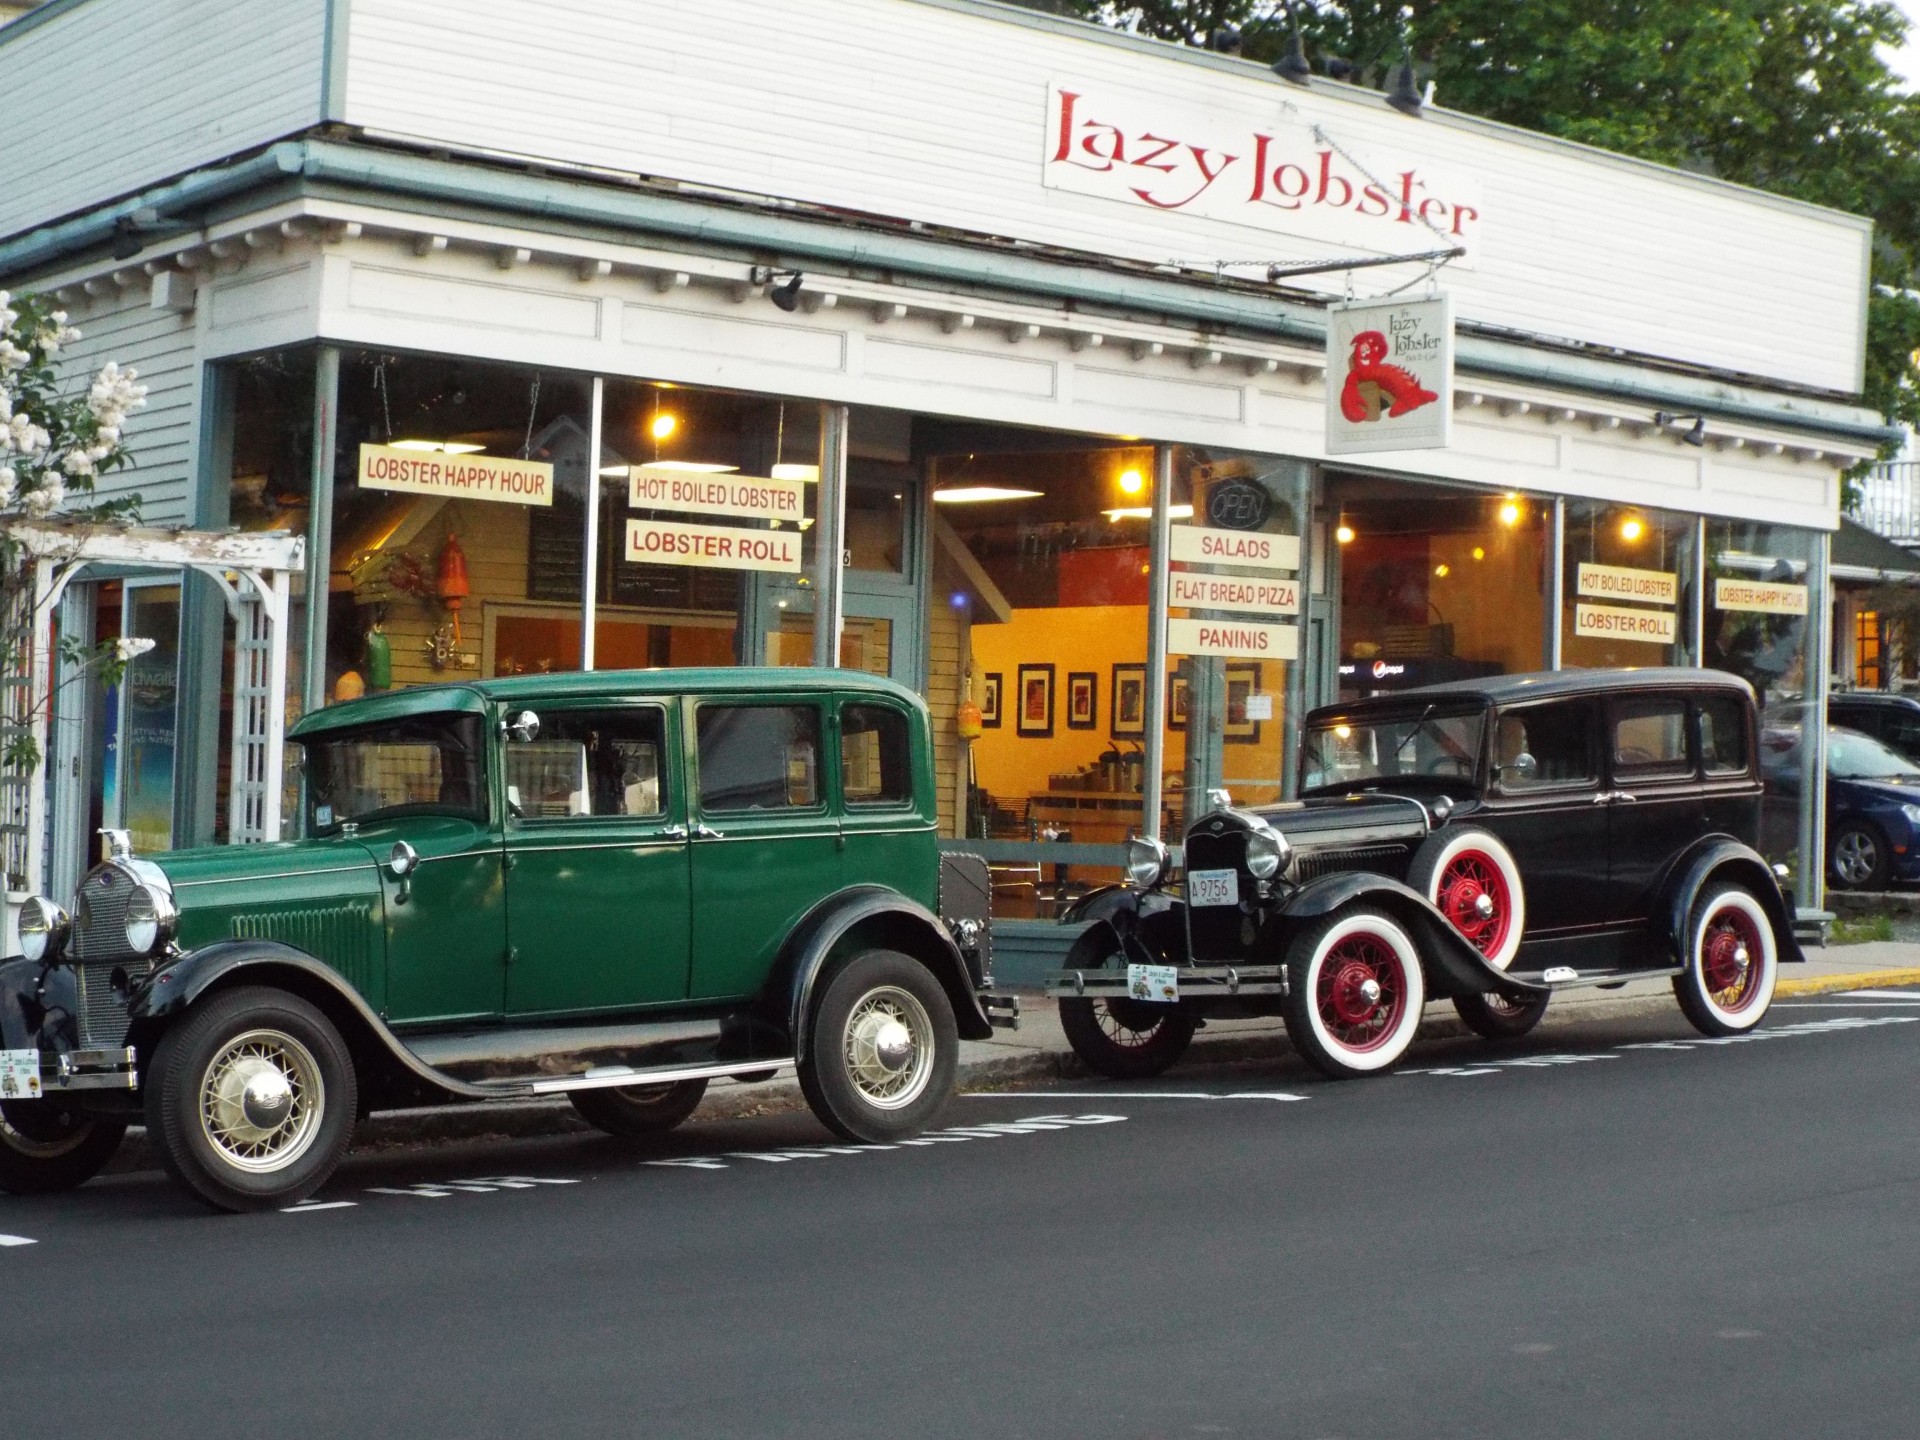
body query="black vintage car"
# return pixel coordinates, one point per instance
(1487, 842)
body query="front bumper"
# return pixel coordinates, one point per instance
(1195, 982)
(67, 1071)
(1003, 1011)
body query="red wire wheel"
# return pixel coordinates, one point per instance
(1471, 878)
(1732, 966)
(1355, 991)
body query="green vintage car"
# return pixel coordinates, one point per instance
(612, 886)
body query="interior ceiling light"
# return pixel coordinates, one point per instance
(1344, 534)
(793, 470)
(1132, 482)
(1443, 570)
(663, 424)
(1479, 552)
(1631, 529)
(690, 467)
(982, 494)
(1145, 512)
(438, 447)
(1510, 514)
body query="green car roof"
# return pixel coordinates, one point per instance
(474, 696)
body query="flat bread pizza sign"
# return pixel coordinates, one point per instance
(1389, 376)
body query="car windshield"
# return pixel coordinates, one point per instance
(1853, 756)
(420, 765)
(1421, 747)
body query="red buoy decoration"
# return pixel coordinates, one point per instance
(453, 586)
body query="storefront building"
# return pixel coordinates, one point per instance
(929, 337)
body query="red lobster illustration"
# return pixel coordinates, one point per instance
(1373, 388)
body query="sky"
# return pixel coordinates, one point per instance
(1907, 61)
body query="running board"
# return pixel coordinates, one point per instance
(606, 1077)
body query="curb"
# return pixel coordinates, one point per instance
(1858, 980)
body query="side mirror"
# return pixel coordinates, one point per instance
(523, 726)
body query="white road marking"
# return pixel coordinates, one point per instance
(1031, 1095)
(318, 1205)
(1837, 1005)
(956, 1135)
(7, 1241)
(1912, 997)
(424, 1192)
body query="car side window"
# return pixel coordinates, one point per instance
(1650, 737)
(592, 763)
(1723, 736)
(1545, 747)
(758, 757)
(876, 760)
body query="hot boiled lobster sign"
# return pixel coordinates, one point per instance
(1389, 375)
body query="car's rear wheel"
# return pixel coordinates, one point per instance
(250, 1099)
(1732, 963)
(1355, 990)
(46, 1147)
(882, 1048)
(1858, 858)
(1470, 876)
(635, 1111)
(1125, 1039)
(1494, 1017)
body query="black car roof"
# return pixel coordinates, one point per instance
(1874, 697)
(1552, 684)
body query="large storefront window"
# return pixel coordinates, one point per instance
(1437, 583)
(1629, 582)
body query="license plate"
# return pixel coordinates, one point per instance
(1159, 983)
(1213, 887)
(19, 1074)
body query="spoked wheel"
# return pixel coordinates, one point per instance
(1125, 1039)
(1354, 993)
(635, 1111)
(1494, 1017)
(1470, 877)
(46, 1147)
(882, 1048)
(250, 1100)
(1732, 964)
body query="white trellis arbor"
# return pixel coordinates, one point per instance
(253, 572)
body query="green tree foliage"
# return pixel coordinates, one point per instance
(1784, 95)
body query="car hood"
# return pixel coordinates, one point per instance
(1889, 790)
(192, 871)
(1344, 819)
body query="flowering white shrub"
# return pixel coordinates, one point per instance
(54, 448)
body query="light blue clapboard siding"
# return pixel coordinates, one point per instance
(112, 95)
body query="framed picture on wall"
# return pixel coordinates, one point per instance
(1083, 700)
(990, 701)
(1035, 698)
(1179, 701)
(1243, 683)
(1129, 705)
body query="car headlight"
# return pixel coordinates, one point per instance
(1147, 861)
(1912, 812)
(150, 919)
(43, 928)
(1267, 852)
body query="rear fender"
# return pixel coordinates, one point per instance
(866, 917)
(1713, 860)
(1452, 966)
(389, 1073)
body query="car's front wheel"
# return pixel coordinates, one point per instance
(1857, 857)
(635, 1111)
(47, 1147)
(882, 1048)
(1732, 964)
(1494, 1017)
(1354, 992)
(250, 1099)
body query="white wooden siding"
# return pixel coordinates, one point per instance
(912, 110)
(162, 434)
(113, 95)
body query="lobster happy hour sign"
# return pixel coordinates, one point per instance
(1389, 375)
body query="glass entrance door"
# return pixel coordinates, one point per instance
(143, 734)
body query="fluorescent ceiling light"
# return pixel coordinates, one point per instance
(981, 494)
(689, 467)
(440, 447)
(1145, 512)
(791, 470)
(461, 447)
(619, 471)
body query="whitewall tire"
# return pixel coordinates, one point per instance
(1732, 963)
(1355, 991)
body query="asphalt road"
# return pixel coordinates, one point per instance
(1624, 1232)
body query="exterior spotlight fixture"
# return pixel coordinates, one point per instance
(787, 294)
(133, 232)
(1696, 434)
(1404, 94)
(1293, 66)
(1225, 40)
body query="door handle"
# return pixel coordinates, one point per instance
(674, 832)
(1624, 797)
(704, 831)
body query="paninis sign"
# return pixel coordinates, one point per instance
(1276, 175)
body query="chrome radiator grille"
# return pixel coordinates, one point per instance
(103, 1009)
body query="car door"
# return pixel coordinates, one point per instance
(1543, 800)
(886, 798)
(598, 910)
(1655, 802)
(766, 846)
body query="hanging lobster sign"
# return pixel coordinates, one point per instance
(1389, 375)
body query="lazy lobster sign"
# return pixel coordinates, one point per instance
(1389, 375)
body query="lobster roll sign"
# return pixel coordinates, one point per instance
(1389, 375)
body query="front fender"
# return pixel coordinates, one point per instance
(1721, 857)
(1453, 967)
(172, 989)
(1102, 903)
(871, 915)
(37, 1005)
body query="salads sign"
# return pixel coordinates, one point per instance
(1279, 173)
(1389, 375)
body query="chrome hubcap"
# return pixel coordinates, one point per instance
(1483, 905)
(261, 1100)
(889, 1047)
(1370, 991)
(1854, 857)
